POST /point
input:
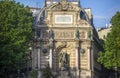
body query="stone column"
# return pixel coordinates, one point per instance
(51, 53)
(34, 53)
(89, 57)
(50, 57)
(38, 55)
(77, 60)
(38, 58)
(92, 61)
(34, 57)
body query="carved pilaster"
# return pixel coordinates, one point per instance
(39, 63)
(51, 57)
(89, 59)
(51, 53)
(77, 59)
(51, 18)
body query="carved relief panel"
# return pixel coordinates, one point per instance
(64, 34)
(82, 34)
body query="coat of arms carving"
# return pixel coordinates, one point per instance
(64, 4)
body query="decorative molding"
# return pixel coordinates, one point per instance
(82, 50)
(44, 50)
(60, 47)
(63, 6)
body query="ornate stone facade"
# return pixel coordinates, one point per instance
(67, 40)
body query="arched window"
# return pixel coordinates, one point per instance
(83, 15)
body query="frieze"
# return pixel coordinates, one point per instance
(59, 35)
(64, 35)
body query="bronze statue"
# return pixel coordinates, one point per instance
(64, 61)
(77, 33)
(51, 33)
(89, 34)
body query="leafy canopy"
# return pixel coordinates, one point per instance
(111, 57)
(15, 34)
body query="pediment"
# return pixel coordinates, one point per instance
(64, 7)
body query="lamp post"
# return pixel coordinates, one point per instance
(116, 75)
(18, 72)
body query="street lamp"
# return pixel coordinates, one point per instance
(18, 72)
(116, 75)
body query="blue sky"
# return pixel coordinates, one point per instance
(102, 10)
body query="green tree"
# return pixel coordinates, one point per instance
(46, 72)
(15, 34)
(33, 74)
(111, 56)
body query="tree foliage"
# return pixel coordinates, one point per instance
(46, 72)
(111, 57)
(15, 34)
(33, 74)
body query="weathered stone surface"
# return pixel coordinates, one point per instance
(62, 18)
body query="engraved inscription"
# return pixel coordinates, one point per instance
(63, 19)
(62, 35)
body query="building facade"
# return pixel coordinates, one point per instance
(66, 40)
(103, 32)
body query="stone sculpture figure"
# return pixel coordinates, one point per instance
(77, 33)
(64, 61)
(89, 34)
(51, 34)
